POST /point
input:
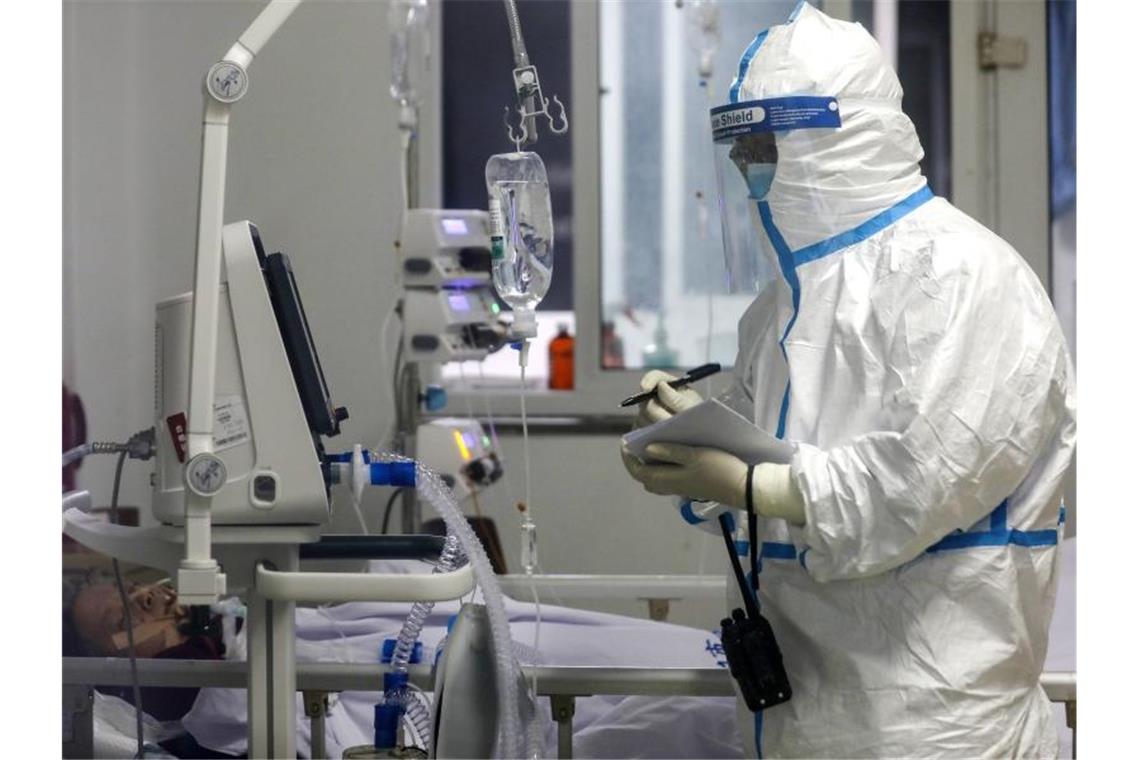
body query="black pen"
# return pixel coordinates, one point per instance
(692, 376)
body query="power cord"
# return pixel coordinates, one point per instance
(138, 446)
(388, 511)
(136, 691)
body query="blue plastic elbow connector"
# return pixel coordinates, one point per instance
(435, 398)
(393, 474)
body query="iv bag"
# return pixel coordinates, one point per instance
(703, 22)
(522, 231)
(409, 46)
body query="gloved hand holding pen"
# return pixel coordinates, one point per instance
(669, 401)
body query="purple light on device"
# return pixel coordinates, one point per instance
(454, 227)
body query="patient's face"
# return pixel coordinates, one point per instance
(155, 615)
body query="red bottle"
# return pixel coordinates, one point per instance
(562, 360)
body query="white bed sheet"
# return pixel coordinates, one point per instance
(604, 727)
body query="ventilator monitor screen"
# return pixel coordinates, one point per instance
(322, 416)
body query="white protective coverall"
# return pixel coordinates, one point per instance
(917, 364)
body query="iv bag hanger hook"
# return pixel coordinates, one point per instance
(528, 90)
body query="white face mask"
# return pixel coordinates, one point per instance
(759, 178)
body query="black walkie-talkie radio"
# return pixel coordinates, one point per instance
(750, 646)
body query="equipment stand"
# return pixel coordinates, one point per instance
(272, 685)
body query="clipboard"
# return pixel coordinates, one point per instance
(712, 424)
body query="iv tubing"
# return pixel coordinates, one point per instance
(527, 520)
(524, 352)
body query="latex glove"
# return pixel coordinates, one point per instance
(669, 401)
(714, 475)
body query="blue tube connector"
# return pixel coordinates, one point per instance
(435, 398)
(385, 725)
(387, 714)
(401, 474)
(388, 648)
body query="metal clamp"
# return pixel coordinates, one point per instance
(562, 710)
(533, 104)
(1071, 721)
(316, 710)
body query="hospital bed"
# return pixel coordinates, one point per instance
(611, 686)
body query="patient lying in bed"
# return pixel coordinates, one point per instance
(604, 726)
(96, 626)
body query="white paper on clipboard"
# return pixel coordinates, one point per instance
(714, 425)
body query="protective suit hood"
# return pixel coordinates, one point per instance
(830, 181)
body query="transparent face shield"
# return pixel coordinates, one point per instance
(751, 140)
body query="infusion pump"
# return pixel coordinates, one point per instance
(449, 312)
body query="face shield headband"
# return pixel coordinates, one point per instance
(746, 137)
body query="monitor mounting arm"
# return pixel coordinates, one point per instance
(199, 579)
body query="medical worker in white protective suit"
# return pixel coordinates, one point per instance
(910, 550)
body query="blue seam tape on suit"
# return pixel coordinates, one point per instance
(777, 550)
(1026, 538)
(999, 534)
(788, 270)
(872, 226)
(750, 53)
(999, 518)
(745, 60)
(789, 260)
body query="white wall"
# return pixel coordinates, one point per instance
(313, 161)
